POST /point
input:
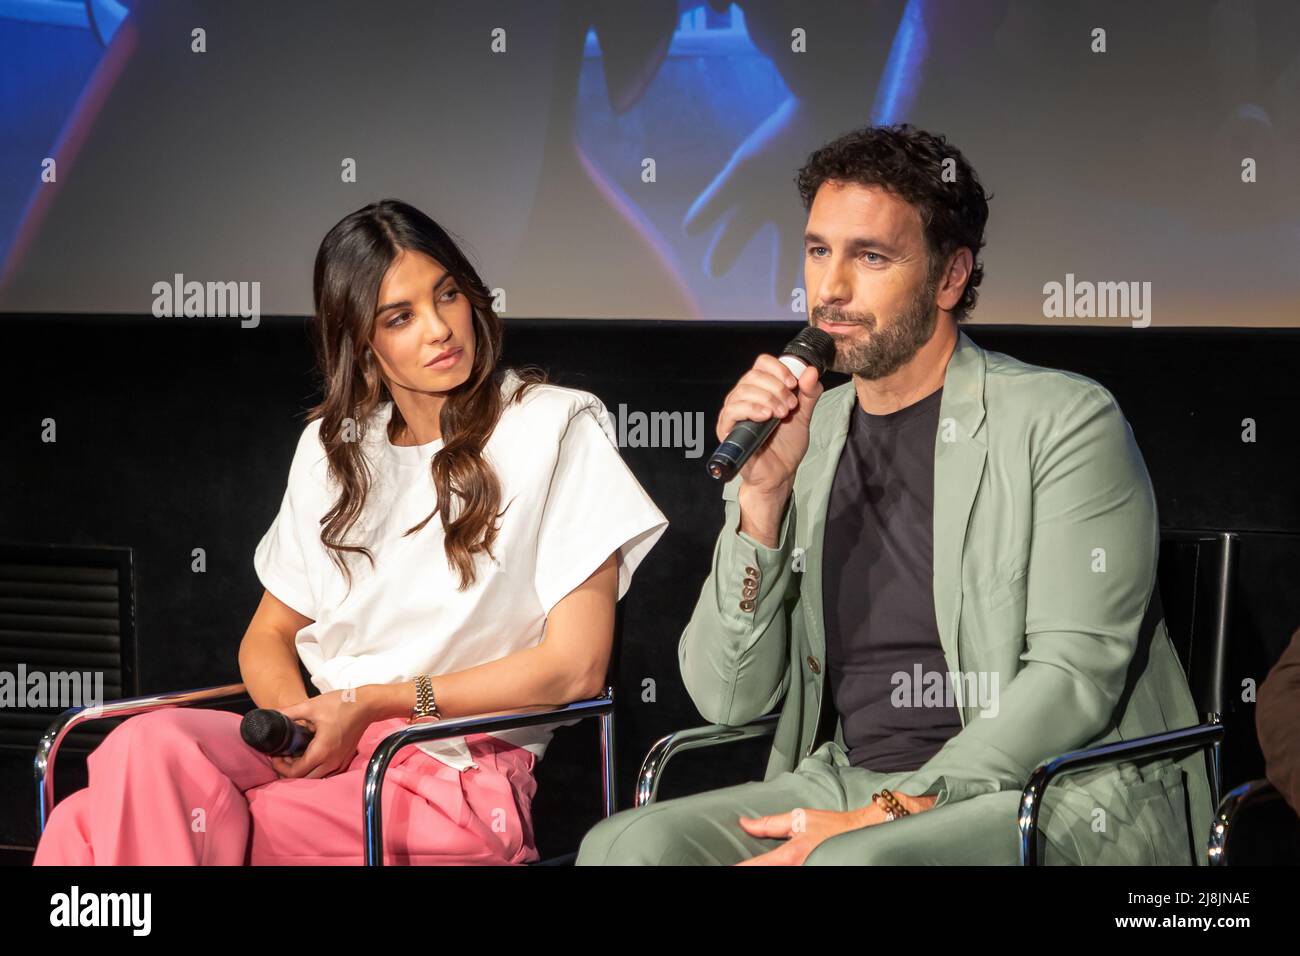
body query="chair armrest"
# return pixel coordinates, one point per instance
(1251, 794)
(372, 810)
(73, 717)
(665, 748)
(1201, 736)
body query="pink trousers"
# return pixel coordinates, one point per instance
(180, 787)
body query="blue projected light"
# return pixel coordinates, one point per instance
(902, 73)
(730, 129)
(56, 65)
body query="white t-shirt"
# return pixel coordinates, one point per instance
(572, 503)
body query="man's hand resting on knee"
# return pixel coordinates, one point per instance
(804, 830)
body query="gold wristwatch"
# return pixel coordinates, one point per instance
(425, 705)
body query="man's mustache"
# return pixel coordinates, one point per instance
(839, 317)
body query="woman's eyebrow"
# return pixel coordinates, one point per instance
(405, 303)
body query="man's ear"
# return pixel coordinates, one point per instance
(956, 273)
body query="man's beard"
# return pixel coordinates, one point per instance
(885, 350)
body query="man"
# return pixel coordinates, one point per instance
(952, 557)
(1277, 723)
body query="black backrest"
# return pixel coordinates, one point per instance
(67, 617)
(1195, 590)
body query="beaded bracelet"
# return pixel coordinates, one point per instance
(889, 803)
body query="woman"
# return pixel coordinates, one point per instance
(399, 609)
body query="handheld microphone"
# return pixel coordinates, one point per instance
(811, 346)
(273, 733)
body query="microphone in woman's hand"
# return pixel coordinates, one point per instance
(273, 733)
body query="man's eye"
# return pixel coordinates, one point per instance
(878, 257)
(814, 250)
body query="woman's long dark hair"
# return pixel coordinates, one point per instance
(351, 264)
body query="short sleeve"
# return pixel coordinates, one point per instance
(594, 508)
(282, 559)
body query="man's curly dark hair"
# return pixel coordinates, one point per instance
(909, 163)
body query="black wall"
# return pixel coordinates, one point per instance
(176, 434)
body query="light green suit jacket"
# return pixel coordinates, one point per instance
(1045, 549)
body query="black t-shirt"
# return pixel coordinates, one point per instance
(877, 582)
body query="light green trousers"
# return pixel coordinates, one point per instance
(702, 829)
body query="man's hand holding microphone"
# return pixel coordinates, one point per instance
(763, 428)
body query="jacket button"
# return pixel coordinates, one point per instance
(749, 593)
(751, 572)
(747, 605)
(751, 582)
(813, 665)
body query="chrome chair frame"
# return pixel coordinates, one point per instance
(1207, 736)
(47, 749)
(601, 707)
(665, 748)
(1203, 736)
(1235, 802)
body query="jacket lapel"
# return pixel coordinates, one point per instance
(960, 450)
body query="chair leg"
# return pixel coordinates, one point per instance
(1216, 770)
(607, 779)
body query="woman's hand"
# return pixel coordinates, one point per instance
(338, 723)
